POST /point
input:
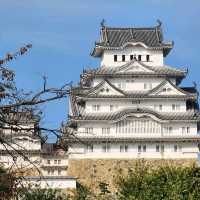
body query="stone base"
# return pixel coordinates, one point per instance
(90, 172)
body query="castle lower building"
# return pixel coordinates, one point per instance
(25, 151)
(132, 106)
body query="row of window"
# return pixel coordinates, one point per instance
(125, 58)
(159, 107)
(139, 127)
(49, 162)
(125, 148)
(54, 172)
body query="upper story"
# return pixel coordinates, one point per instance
(118, 46)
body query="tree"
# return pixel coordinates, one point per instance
(17, 105)
(165, 182)
(42, 194)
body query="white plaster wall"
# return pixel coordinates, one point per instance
(187, 150)
(127, 103)
(156, 57)
(133, 84)
(97, 130)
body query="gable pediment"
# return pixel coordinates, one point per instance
(105, 88)
(167, 88)
(134, 66)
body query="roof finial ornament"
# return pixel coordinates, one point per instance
(103, 23)
(195, 84)
(159, 23)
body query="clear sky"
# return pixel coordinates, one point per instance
(63, 33)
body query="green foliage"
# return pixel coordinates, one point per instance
(41, 194)
(7, 184)
(163, 183)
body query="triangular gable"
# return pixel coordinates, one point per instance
(134, 66)
(167, 88)
(105, 88)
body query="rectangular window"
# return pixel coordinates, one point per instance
(175, 107)
(124, 148)
(147, 58)
(131, 57)
(115, 58)
(139, 148)
(59, 172)
(123, 58)
(188, 129)
(106, 147)
(89, 148)
(145, 86)
(105, 130)
(89, 130)
(160, 107)
(157, 148)
(55, 161)
(144, 148)
(175, 148)
(162, 148)
(48, 162)
(139, 57)
(183, 130)
(111, 107)
(96, 107)
(59, 162)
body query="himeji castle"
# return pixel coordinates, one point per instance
(133, 105)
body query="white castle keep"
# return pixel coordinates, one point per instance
(132, 106)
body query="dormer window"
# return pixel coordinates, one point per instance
(123, 58)
(139, 57)
(115, 58)
(147, 58)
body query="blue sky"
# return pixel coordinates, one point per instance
(63, 33)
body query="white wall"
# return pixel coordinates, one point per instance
(185, 150)
(156, 57)
(128, 103)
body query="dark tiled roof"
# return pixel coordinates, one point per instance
(118, 37)
(136, 139)
(135, 94)
(154, 70)
(125, 112)
(190, 89)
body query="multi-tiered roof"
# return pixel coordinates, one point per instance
(118, 38)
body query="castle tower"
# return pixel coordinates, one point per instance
(132, 106)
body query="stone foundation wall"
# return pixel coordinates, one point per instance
(90, 172)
